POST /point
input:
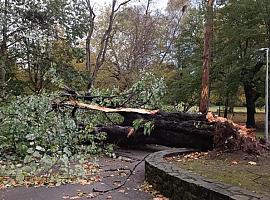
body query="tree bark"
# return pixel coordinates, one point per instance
(250, 104)
(205, 132)
(3, 51)
(184, 130)
(208, 35)
(89, 37)
(226, 105)
(251, 92)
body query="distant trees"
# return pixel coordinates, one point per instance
(31, 33)
(142, 39)
(241, 31)
(55, 39)
(241, 27)
(104, 42)
(53, 42)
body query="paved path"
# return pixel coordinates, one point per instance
(109, 178)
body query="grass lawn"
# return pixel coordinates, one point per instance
(240, 115)
(240, 118)
(239, 169)
(247, 171)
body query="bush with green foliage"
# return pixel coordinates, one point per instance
(34, 138)
(29, 125)
(147, 92)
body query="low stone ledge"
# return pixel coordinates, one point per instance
(180, 184)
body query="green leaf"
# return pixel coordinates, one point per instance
(36, 154)
(39, 148)
(30, 150)
(27, 159)
(137, 123)
(30, 137)
(19, 176)
(66, 151)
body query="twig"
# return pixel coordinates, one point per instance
(118, 169)
(109, 119)
(121, 185)
(258, 176)
(121, 4)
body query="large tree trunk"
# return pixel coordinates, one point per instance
(251, 92)
(170, 129)
(205, 132)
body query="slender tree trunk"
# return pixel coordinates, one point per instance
(88, 58)
(3, 51)
(3, 61)
(89, 36)
(226, 105)
(103, 47)
(88, 42)
(231, 110)
(208, 35)
(87, 49)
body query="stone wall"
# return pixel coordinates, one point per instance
(179, 184)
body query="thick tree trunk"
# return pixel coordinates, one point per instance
(170, 129)
(183, 130)
(205, 132)
(251, 93)
(184, 134)
(250, 104)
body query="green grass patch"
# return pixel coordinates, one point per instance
(239, 169)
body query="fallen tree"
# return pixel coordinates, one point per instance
(205, 132)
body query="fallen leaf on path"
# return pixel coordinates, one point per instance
(252, 163)
(234, 162)
(75, 197)
(122, 190)
(160, 198)
(81, 194)
(90, 195)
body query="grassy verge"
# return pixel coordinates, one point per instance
(249, 172)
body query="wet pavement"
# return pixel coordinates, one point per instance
(110, 177)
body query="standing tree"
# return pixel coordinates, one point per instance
(90, 31)
(207, 56)
(104, 42)
(186, 88)
(3, 47)
(143, 39)
(241, 31)
(11, 28)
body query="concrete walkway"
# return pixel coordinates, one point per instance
(110, 177)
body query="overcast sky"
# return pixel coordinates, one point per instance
(158, 4)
